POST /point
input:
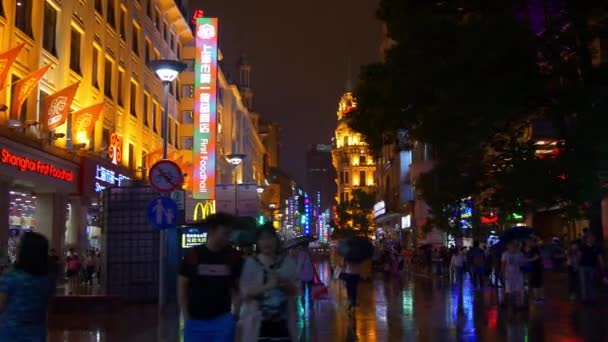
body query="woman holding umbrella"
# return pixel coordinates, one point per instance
(355, 251)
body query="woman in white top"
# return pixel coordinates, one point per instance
(269, 286)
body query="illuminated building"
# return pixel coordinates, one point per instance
(351, 156)
(105, 46)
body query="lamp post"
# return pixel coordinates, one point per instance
(235, 159)
(167, 71)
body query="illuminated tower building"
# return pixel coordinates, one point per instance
(244, 84)
(351, 157)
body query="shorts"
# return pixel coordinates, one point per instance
(219, 329)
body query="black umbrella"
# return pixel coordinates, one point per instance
(356, 249)
(298, 242)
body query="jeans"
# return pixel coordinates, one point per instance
(219, 329)
(352, 282)
(587, 277)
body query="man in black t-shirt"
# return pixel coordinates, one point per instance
(207, 280)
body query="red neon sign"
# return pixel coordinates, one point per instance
(32, 165)
(493, 218)
(197, 14)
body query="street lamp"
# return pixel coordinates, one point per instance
(260, 189)
(167, 71)
(235, 159)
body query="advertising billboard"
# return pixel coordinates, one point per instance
(205, 109)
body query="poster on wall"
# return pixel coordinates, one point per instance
(205, 109)
(248, 199)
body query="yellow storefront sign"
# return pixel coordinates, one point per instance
(202, 210)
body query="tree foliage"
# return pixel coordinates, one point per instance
(357, 214)
(469, 79)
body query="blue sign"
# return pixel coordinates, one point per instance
(162, 212)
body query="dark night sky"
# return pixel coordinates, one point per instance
(299, 52)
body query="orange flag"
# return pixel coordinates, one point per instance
(83, 122)
(56, 107)
(7, 59)
(23, 89)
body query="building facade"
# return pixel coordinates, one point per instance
(352, 160)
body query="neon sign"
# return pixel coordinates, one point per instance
(105, 177)
(33, 165)
(193, 239)
(196, 15)
(205, 109)
(493, 218)
(203, 210)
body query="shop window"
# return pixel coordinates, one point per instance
(132, 160)
(49, 36)
(121, 79)
(75, 46)
(22, 218)
(23, 16)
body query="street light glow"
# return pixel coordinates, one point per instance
(166, 69)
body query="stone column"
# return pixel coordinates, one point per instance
(76, 225)
(4, 219)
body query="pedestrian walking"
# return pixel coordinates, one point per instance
(591, 261)
(269, 285)
(512, 261)
(351, 272)
(207, 285)
(536, 271)
(306, 272)
(478, 265)
(90, 263)
(572, 259)
(25, 292)
(457, 266)
(72, 272)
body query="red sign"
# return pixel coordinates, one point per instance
(32, 165)
(197, 14)
(493, 218)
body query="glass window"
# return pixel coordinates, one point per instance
(123, 23)
(148, 52)
(50, 29)
(362, 160)
(133, 99)
(149, 9)
(187, 117)
(158, 19)
(107, 83)
(131, 157)
(154, 116)
(146, 113)
(166, 31)
(121, 81)
(105, 138)
(135, 39)
(111, 14)
(98, 7)
(23, 16)
(345, 140)
(95, 67)
(362, 178)
(188, 90)
(175, 136)
(187, 143)
(75, 46)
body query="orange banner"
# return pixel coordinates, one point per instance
(83, 122)
(7, 59)
(56, 107)
(23, 89)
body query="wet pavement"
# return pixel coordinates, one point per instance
(416, 309)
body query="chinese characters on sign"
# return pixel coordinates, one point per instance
(205, 109)
(106, 177)
(193, 239)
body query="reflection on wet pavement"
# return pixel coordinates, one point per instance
(416, 309)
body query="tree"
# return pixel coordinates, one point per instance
(469, 79)
(357, 213)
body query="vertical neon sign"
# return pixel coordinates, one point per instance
(205, 109)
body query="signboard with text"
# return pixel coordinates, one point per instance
(97, 176)
(205, 109)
